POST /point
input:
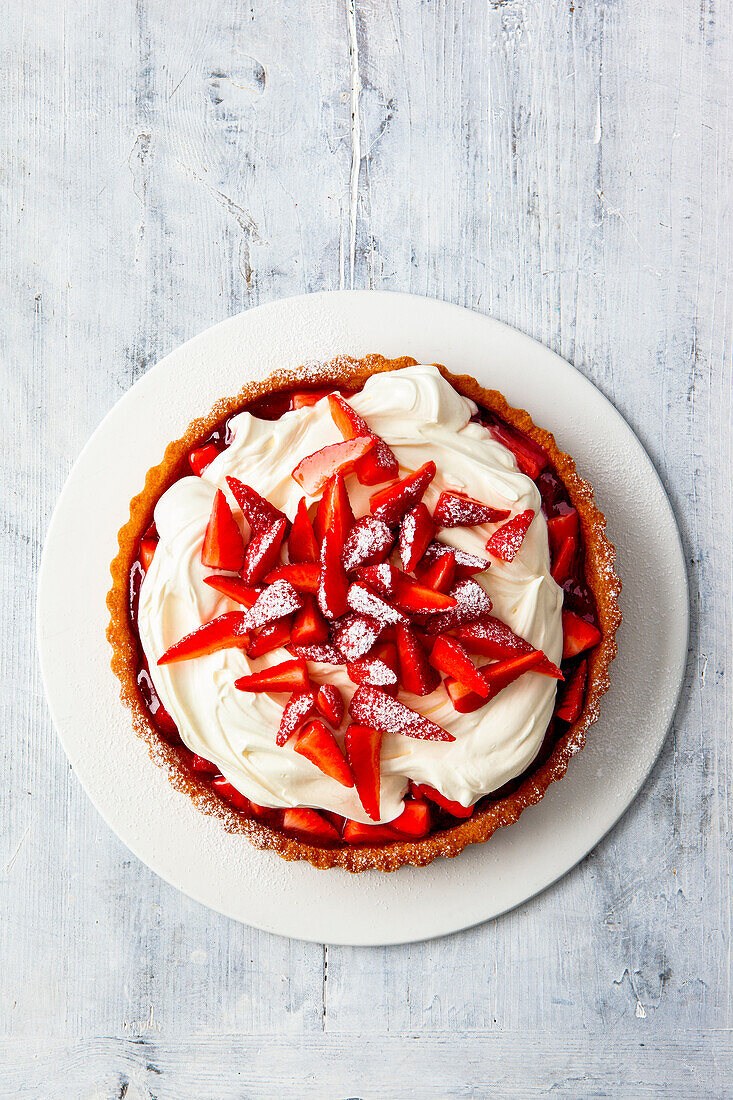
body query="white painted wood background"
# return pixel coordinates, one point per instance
(564, 165)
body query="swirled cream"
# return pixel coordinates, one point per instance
(421, 417)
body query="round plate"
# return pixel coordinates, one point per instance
(224, 871)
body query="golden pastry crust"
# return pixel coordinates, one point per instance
(600, 576)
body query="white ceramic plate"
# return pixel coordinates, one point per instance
(191, 850)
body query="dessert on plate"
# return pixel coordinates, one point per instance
(364, 614)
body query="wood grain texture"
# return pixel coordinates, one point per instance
(565, 166)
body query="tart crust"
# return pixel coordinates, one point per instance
(489, 816)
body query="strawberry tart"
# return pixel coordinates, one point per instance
(365, 613)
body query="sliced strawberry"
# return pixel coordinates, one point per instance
(314, 471)
(234, 588)
(223, 632)
(357, 832)
(310, 827)
(305, 398)
(502, 673)
(273, 636)
(287, 676)
(258, 512)
(506, 541)
(416, 531)
(449, 657)
(309, 626)
(304, 576)
(316, 743)
(263, 551)
(202, 766)
(472, 605)
(370, 670)
(466, 564)
(298, 708)
(564, 562)
(574, 694)
(463, 699)
(368, 542)
(380, 578)
(361, 599)
(356, 635)
(330, 703)
(459, 510)
(380, 464)
(562, 527)
(147, 552)
(386, 651)
(531, 458)
(577, 634)
(416, 599)
(440, 575)
(223, 546)
(372, 707)
(334, 512)
(416, 673)
(454, 808)
(414, 819)
(302, 545)
(230, 794)
(275, 602)
(493, 638)
(321, 654)
(363, 747)
(201, 457)
(392, 503)
(333, 584)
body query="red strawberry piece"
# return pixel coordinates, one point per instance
(273, 636)
(310, 827)
(263, 551)
(372, 707)
(440, 575)
(202, 457)
(223, 546)
(416, 531)
(447, 804)
(309, 626)
(363, 747)
(531, 458)
(223, 632)
(304, 576)
(574, 694)
(449, 657)
(466, 564)
(302, 545)
(287, 676)
(230, 794)
(380, 578)
(414, 819)
(356, 635)
(379, 464)
(202, 766)
(386, 652)
(361, 599)
(463, 699)
(493, 638)
(321, 654)
(163, 722)
(562, 527)
(258, 512)
(564, 561)
(368, 542)
(577, 634)
(275, 602)
(298, 708)
(472, 604)
(330, 703)
(314, 471)
(502, 673)
(459, 510)
(333, 584)
(147, 552)
(306, 398)
(334, 512)
(370, 670)
(416, 673)
(357, 832)
(234, 588)
(392, 503)
(316, 743)
(416, 599)
(506, 541)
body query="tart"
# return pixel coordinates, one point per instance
(364, 613)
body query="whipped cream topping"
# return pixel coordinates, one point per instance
(421, 417)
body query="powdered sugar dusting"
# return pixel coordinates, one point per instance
(277, 601)
(365, 602)
(372, 707)
(367, 541)
(357, 635)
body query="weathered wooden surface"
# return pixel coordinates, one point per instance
(566, 166)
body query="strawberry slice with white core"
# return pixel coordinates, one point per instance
(450, 658)
(493, 638)
(440, 575)
(296, 711)
(356, 635)
(224, 632)
(472, 604)
(324, 654)
(277, 601)
(309, 626)
(380, 578)
(454, 808)
(273, 636)
(302, 545)
(368, 542)
(223, 546)
(578, 635)
(531, 458)
(416, 531)
(333, 583)
(466, 565)
(371, 707)
(263, 551)
(287, 676)
(234, 588)
(314, 471)
(258, 512)
(506, 542)
(202, 457)
(380, 464)
(316, 743)
(458, 510)
(363, 748)
(304, 576)
(392, 503)
(463, 699)
(416, 599)
(361, 599)
(574, 694)
(310, 827)
(147, 552)
(370, 670)
(334, 512)
(416, 673)
(330, 703)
